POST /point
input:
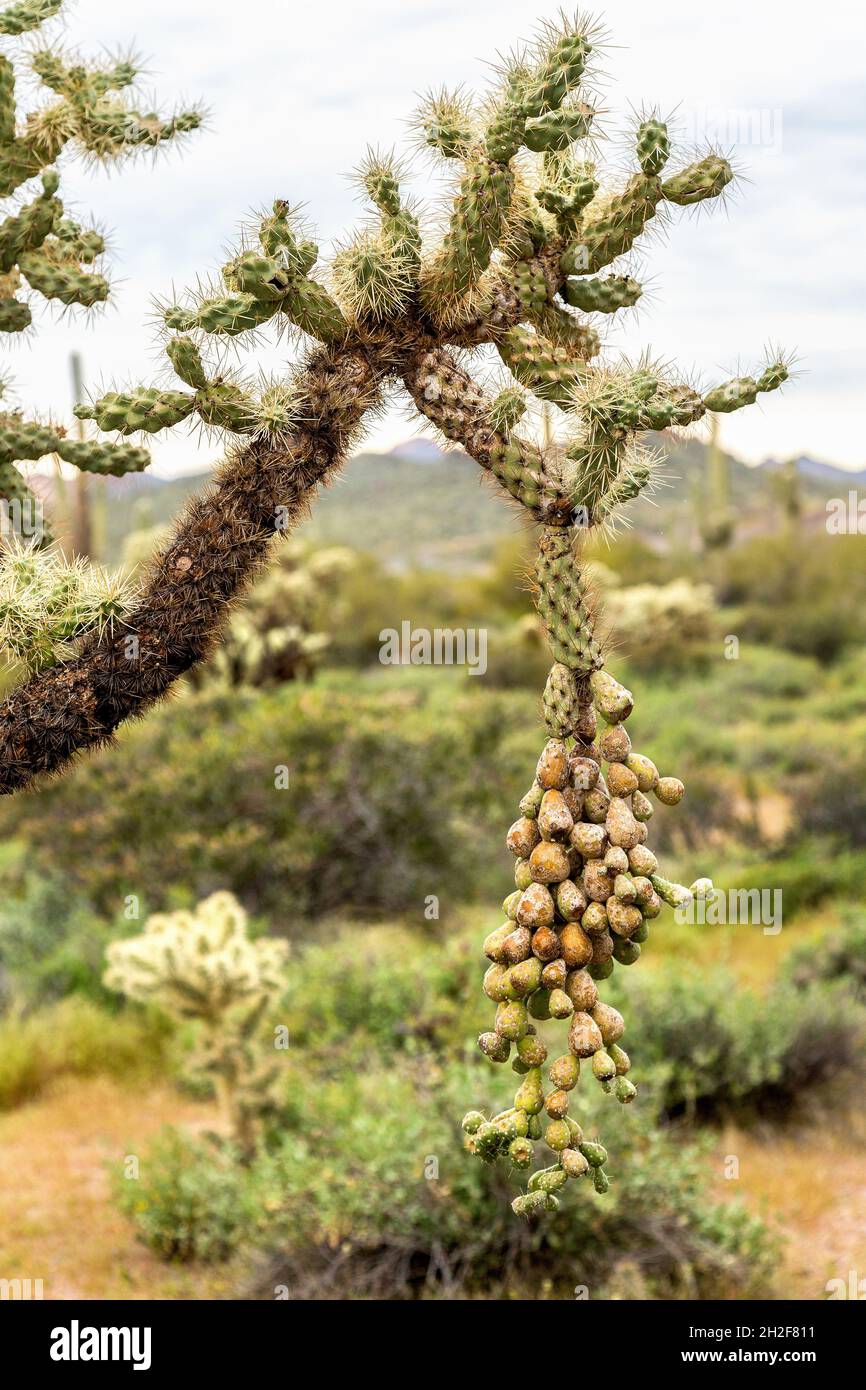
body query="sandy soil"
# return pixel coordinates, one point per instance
(57, 1222)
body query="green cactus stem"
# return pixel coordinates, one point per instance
(92, 110)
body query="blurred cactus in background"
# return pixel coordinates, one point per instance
(661, 626)
(277, 635)
(203, 967)
(788, 492)
(44, 252)
(715, 514)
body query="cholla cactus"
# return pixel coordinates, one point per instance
(532, 261)
(48, 604)
(661, 625)
(276, 637)
(42, 250)
(202, 966)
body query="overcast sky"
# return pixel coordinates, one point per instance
(297, 92)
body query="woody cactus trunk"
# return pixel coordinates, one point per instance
(531, 261)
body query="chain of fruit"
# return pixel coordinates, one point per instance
(586, 889)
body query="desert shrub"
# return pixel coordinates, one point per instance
(51, 943)
(709, 1049)
(381, 991)
(835, 805)
(76, 1038)
(192, 1200)
(385, 802)
(377, 1198)
(810, 599)
(806, 871)
(836, 955)
(662, 626)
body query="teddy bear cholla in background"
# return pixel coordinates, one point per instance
(587, 886)
(202, 966)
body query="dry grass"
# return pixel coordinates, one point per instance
(809, 1184)
(57, 1220)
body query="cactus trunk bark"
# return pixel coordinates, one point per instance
(220, 543)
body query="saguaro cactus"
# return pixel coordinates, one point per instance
(43, 251)
(534, 223)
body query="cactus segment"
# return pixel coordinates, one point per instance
(612, 224)
(602, 296)
(27, 15)
(707, 178)
(47, 603)
(653, 146)
(558, 129)
(550, 372)
(562, 602)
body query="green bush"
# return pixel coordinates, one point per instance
(810, 599)
(381, 991)
(392, 794)
(378, 1199)
(709, 1049)
(833, 801)
(192, 1201)
(835, 955)
(52, 943)
(807, 871)
(76, 1038)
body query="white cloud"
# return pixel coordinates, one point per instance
(296, 94)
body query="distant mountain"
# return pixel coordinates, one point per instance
(420, 506)
(419, 450)
(825, 475)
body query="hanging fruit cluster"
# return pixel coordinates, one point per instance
(587, 887)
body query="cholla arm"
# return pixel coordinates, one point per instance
(220, 543)
(510, 279)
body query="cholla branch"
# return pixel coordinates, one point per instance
(44, 252)
(533, 222)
